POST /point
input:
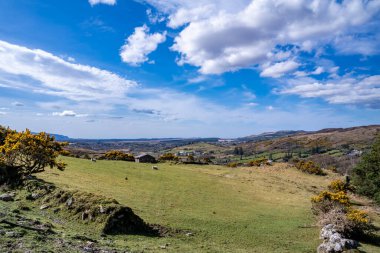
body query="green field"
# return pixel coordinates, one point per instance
(228, 210)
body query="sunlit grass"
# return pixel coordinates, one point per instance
(228, 210)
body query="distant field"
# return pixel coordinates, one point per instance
(228, 210)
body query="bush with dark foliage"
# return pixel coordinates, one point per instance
(366, 175)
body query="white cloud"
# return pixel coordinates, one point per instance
(68, 113)
(351, 44)
(38, 71)
(92, 91)
(364, 91)
(226, 35)
(279, 69)
(109, 2)
(155, 17)
(139, 45)
(252, 104)
(318, 71)
(65, 114)
(184, 15)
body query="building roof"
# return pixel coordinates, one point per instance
(142, 155)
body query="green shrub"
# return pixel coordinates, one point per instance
(366, 175)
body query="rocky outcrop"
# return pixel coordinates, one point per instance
(334, 242)
(122, 220)
(7, 197)
(88, 208)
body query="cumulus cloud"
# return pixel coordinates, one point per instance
(42, 72)
(279, 69)
(139, 45)
(224, 35)
(344, 90)
(95, 2)
(184, 15)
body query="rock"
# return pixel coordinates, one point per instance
(89, 247)
(13, 234)
(90, 244)
(189, 234)
(35, 195)
(44, 207)
(327, 231)
(101, 209)
(7, 197)
(69, 202)
(333, 242)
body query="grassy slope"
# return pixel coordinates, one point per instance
(229, 210)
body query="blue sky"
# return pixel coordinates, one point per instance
(155, 68)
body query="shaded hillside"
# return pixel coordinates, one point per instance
(347, 138)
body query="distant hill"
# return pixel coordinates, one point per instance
(271, 135)
(354, 137)
(59, 137)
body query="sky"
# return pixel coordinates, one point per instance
(179, 68)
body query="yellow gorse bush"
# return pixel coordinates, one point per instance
(118, 155)
(167, 157)
(358, 216)
(259, 162)
(334, 207)
(339, 197)
(337, 186)
(25, 153)
(309, 167)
